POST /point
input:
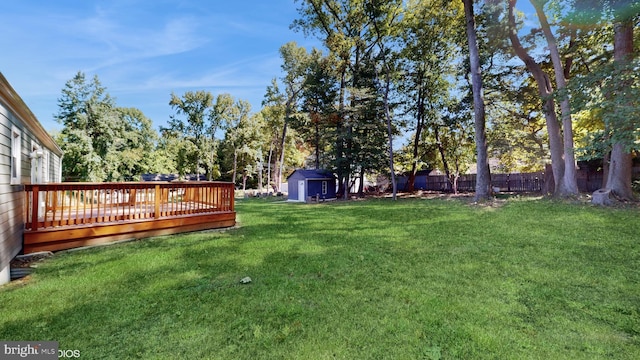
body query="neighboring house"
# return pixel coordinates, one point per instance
(305, 185)
(28, 155)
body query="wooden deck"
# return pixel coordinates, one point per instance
(68, 215)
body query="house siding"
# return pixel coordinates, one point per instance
(11, 196)
(12, 223)
(15, 116)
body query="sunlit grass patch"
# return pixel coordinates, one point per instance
(371, 279)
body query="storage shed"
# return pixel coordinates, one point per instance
(305, 185)
(29, 156)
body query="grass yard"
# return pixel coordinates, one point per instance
(375, 279)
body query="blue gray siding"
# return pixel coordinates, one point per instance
(14, 115)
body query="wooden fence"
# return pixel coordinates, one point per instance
(589, 180)
(525, 182)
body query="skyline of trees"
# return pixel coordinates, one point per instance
(388, 72)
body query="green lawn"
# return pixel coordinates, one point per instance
(375, 279)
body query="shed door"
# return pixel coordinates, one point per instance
(301, 190)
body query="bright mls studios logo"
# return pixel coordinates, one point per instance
(32, 350)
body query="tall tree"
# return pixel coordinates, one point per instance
(319, 100)
(238, 134)
(85, 112)
(384, 17)
(428, 59)
(135, 147)
(294, 63)
(341, 25)
(564, 185)
(620, 166)
(101, 141)
(192, 123)
(273, 113)
(561, 73)
(483, 179)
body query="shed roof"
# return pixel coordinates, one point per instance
(313, 174)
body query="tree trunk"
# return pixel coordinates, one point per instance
(545, 90)
(570, 180)
(317, 127)
(441, 150)
(605, 169)
(483, 180)
(282, 143)
(389, 133)
(621, 162)
(235, 166)
(244, 181)
(342, 182)
(410, 187)
(260, 191)
(269, 180)
(620, 172)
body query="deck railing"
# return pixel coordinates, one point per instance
(67, 204)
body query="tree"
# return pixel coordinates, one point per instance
(319, 98)
(135, 147)
(384, 16)
(620, 167)
(565, 184)
(85, 110)
(483, 179)
(294, 62)
(341, 25)
(428, 60)
(101, 141)
(561, 74)
(240, 136)
(192, 124)
(606, 92)
(273, 113)
(517, 135)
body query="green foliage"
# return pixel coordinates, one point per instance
(529, 279)
(193, 128)
(102, 142)
(612, 92)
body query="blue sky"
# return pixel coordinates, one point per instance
(143, 50)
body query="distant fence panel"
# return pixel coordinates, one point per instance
(525, 182)
(589, 180)
(522, 182)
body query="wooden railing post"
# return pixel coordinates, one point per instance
(34, 207)
(157, 197)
